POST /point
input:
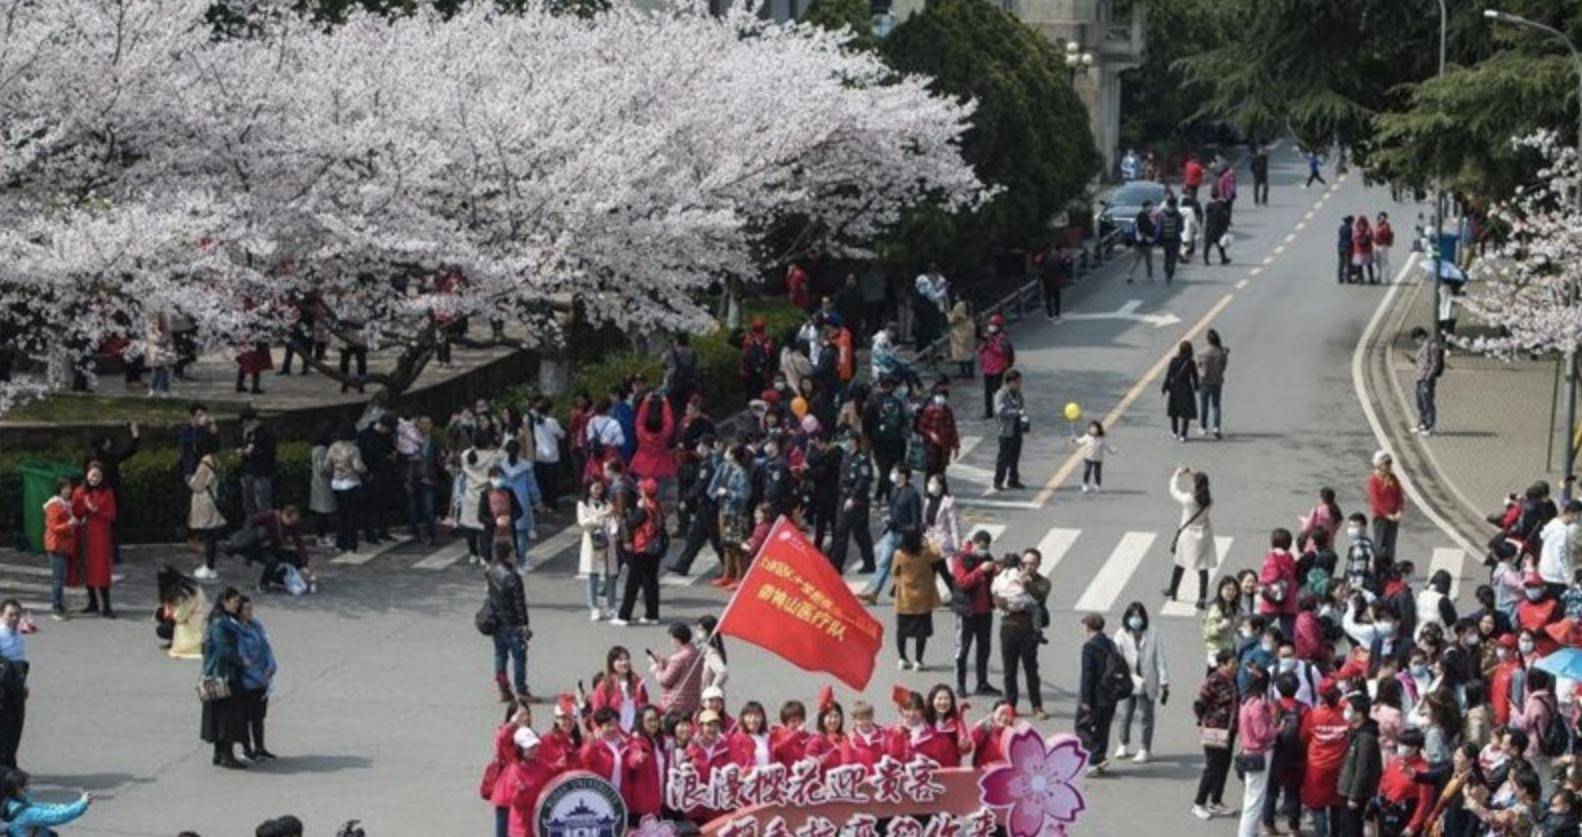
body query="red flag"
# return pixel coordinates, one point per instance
(793, 603)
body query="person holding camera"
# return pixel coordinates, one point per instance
(1011, 410)
(1020, 592)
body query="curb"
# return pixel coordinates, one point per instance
(1394, 418)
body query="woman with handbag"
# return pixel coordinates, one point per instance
(1256, 730)
(597, 557)
(1193, 545)
(203, 513)
(224, 719)
(1215, 709)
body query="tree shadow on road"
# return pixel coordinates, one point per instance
(292, 765)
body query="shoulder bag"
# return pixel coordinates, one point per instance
(1215, 738)
(213, 688)
(1191, 520)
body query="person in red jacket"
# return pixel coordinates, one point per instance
(797, 286)
(645, 770)
(790, 738)
(1507, 667)
(1325, 736)
(496, 788)
(995, 356)
(973, 570)
(828, 744)
(867, 740)
(60, 543)
(562, 745)
(1385, 502)
(656, 426)
(1309, 641)
(926, 731)
(707, 752)
(988, 735)
(1277, 584)
(1192, 176)
(621, 689)
(93, 502)
(1403, 801)
(604, 753)
(713, 698)
(936, 423)
(749, 743)
(1537, 611)
(526, 779)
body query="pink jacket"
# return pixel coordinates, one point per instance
(653, 459)
(681, 678)
(1534, 717)
(1255, 726)
(1278, 566)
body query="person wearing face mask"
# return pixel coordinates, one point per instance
(1460, 663)
(995, 356)
(1383, 640)
(1543, 737)
(499, 509)
(942, 524)
(1306, 674)
(936, 424)
(1403, 803)
(1360, 555)
(1435, 605)
(1325, 733)
(1362, 768)
(1287, 756)
(905, 519)
(1259, 643)
(972, 570)
(1139, 644)
(1537, 611)
(1255, 729)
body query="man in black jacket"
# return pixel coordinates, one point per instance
(258, 464)
(905, 517)
(1360, 772)
(823, 477)
(376, 443)
(508, 599)
(884, 425)
(700, 507)
(1095, 709)
(851, 521)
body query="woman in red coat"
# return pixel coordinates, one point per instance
(928, 733)
(526, 779)
(605, 753)
(950, 722)
(988, 736)
(789, 740)
(643, 784)
(706, 752)
(867, 740)
(1325, 736)
(562, 745)
(621, 689)
(94, 502)
(828, 745)
(655, 425)
(749, 743)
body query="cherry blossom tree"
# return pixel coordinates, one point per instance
(398, 175)
(1531, 288)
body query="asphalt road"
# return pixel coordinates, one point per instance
(384, 705)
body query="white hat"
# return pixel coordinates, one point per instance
(713, 692)
(1380, 457)
(525, 738)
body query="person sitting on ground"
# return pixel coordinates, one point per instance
(182, 607)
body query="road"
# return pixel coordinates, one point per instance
(384, 705)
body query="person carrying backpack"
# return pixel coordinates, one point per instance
(1106, 681)
(1289, 757)
(1541, 718)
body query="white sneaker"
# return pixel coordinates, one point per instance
(204, 574)
(902, 665)
(1141, 757)
(1121, 752)
(619, 622)
(646, 621)
(1085, 488)
(594, 615)
(1219, 810)
(1202, 813)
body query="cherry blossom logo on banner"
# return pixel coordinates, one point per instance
(651, 826)
(1037, 785)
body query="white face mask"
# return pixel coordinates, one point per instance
(1353, 532)
(1287, 664)
(1246, 632)
(1268, 646)
(1349, 714)
(1502, 654)
(1419, 672)
(1134, 622)
(1402, 750)
(1471, 641)
(1526, 646)
(935, 490)
(939, 399)
(1535, 594)
(895, 477)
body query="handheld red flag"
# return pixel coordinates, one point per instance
(793, 603)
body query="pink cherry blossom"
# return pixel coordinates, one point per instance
(1037, 784)
(651, 826)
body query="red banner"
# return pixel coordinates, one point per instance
(792, 602)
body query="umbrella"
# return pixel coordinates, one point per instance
(1567, 662)
(1447, 270)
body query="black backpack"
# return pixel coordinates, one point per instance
(891, 423)
(1288, 747)
(1553, 739)
(1115, 677)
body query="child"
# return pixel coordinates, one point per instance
(1009, 586)
(60, 543)
(1093, 449)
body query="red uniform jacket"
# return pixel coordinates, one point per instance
(504, 756)
(1535, 616)
(643, 785)
(827, 749)
(704, 760)
(1500, 690)
(788, 747)
(1278, 567)
(1325, 734)
(558, 751)
(1384, 496)
(939, 745)
(864, 749)
(988, 744)
(974, 582)
(1397, 785)
(744, 750)
(526, 780)
(608, 693)
(597, 757)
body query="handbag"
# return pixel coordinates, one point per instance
(1250, 762)
(213, 688)
(1215, 738)
(486, 620)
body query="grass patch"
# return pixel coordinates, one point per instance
(87, 408)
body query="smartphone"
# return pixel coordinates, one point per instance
(650, 654)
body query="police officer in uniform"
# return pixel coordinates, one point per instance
(884, 423)
(851, 521)
(703, 510)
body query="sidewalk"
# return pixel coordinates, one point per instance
(1494, 431)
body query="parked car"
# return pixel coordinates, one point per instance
(1120, 210)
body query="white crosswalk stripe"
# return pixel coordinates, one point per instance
(443, 557)
(1185, 602)
(1450, 560)
(1109, 581)
(1054, 546)
(367, 553)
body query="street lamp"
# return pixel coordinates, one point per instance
(1571, 359)
(1077, 60)
(1439, 202)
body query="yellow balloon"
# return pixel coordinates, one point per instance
(1073, 411)
(799, 406)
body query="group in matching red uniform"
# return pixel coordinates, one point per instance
(637, 762)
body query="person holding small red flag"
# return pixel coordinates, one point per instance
(830, 740)
(790, 737)
(605, 753)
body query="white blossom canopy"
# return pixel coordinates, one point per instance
(626, 161)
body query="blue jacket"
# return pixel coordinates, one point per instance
(23, 815)
(520, 479)
(221, 652)
(623, 413)
(258, 659)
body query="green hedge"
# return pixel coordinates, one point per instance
(156, 511)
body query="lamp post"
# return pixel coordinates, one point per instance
(1571, 353)
(1077, 60)
(1439, 202)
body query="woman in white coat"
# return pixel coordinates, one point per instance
(1193, 544)
(1145, 658)
(940, 518)
(476, 463)
(597, 560)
